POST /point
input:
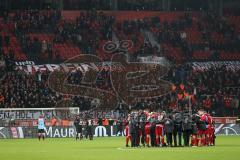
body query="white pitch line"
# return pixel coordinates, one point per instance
(126, 149)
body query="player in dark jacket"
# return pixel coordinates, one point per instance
(89, 129)
(187, 128)
(119, 127)
(168, 127)
(78, 126)
(194, 140)
(142, 122)
(177, 132)
(133, 127)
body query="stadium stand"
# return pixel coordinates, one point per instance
(52, 37)
(201, 36)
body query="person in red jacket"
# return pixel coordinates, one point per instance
(208, 133)
(128, 135)
(209, 130)
(207, 103)
(159, 134)
(147, 133)
(227, 103)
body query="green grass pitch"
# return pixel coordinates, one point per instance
(227, 148)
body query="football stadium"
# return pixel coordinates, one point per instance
(119, 79)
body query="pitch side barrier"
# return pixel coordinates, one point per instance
(98, 131)
(68, 131)
(22, 123)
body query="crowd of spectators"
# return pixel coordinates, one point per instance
(6, 60)
(210, 23)
(20, 90)
(86, 31)
(132, 30)
(139, 5)
(91, 29)
(215, 90)
(35, 21)
(215, 34)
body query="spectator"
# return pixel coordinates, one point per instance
(44, 46)
(7, 40)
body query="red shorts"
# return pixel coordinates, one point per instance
(127, 131)
(194, 135)
(211, 130)
(208, 131)
(147, 130)
(159, 131)
(201, 132)
(140, 133)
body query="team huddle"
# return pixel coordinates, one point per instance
(150, 129)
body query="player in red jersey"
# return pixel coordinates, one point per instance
(209, 130)
(213, 134)
(147, 133)
(194, 139)
(201, 127)
(128, 135)
(203, 132)
(159, 134)
(142, 117)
